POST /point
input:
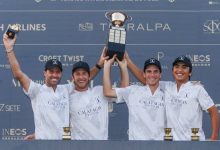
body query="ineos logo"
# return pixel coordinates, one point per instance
(212, 26)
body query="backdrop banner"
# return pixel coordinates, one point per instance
(74, 30)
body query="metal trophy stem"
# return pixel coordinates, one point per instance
(117, 34)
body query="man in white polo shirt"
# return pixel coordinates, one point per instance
(88, 106)
(145, 103)
(50, 102)
(185, 103)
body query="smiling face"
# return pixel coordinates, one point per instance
(52, 77)
(181, 72)
(81, 79)
(152, 75)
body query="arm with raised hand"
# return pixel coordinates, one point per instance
(124, 73)
(15, 67)
(95, 69)
(137, 72)
(107, 86)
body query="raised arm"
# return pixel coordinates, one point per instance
(15, 67)
(107, 86)
(95, 69)
(137, 72)
(124, 73)
(214, 122)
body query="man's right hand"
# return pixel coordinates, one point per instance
(8, 43)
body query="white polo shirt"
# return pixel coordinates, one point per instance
(146, 112)
(89, 114)
(51, 110)
(184, 108)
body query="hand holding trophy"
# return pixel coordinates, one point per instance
(117, 34)
(12, 30)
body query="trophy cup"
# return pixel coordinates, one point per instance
(194, 136)
(66, 133)
(117, 34)
(12, 30)
(168, 136)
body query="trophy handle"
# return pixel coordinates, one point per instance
(129, 18)
(108, 16)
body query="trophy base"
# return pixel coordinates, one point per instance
(66, 137)
(195, 138)
(168, 138)
(115, 48)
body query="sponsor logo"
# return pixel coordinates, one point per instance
(2, 27)
(10, 108)
(13, 133)
(212, 27)
(26, 27)
(200, 60)
(6, 66)
(150, 102)
(86, 26)
(142, 27)
(67, 60)
(16, 83)
(213, 2)
(160, 57)
(31, 27)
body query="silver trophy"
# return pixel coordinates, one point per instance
(117, 34)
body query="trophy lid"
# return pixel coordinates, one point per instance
(117, 18)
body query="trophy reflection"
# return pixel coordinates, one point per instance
(168, 136)
(66, 133)
(12, 30)
(194, 136)
(117, 34)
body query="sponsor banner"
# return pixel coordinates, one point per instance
(77, 30)
(110, 4)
